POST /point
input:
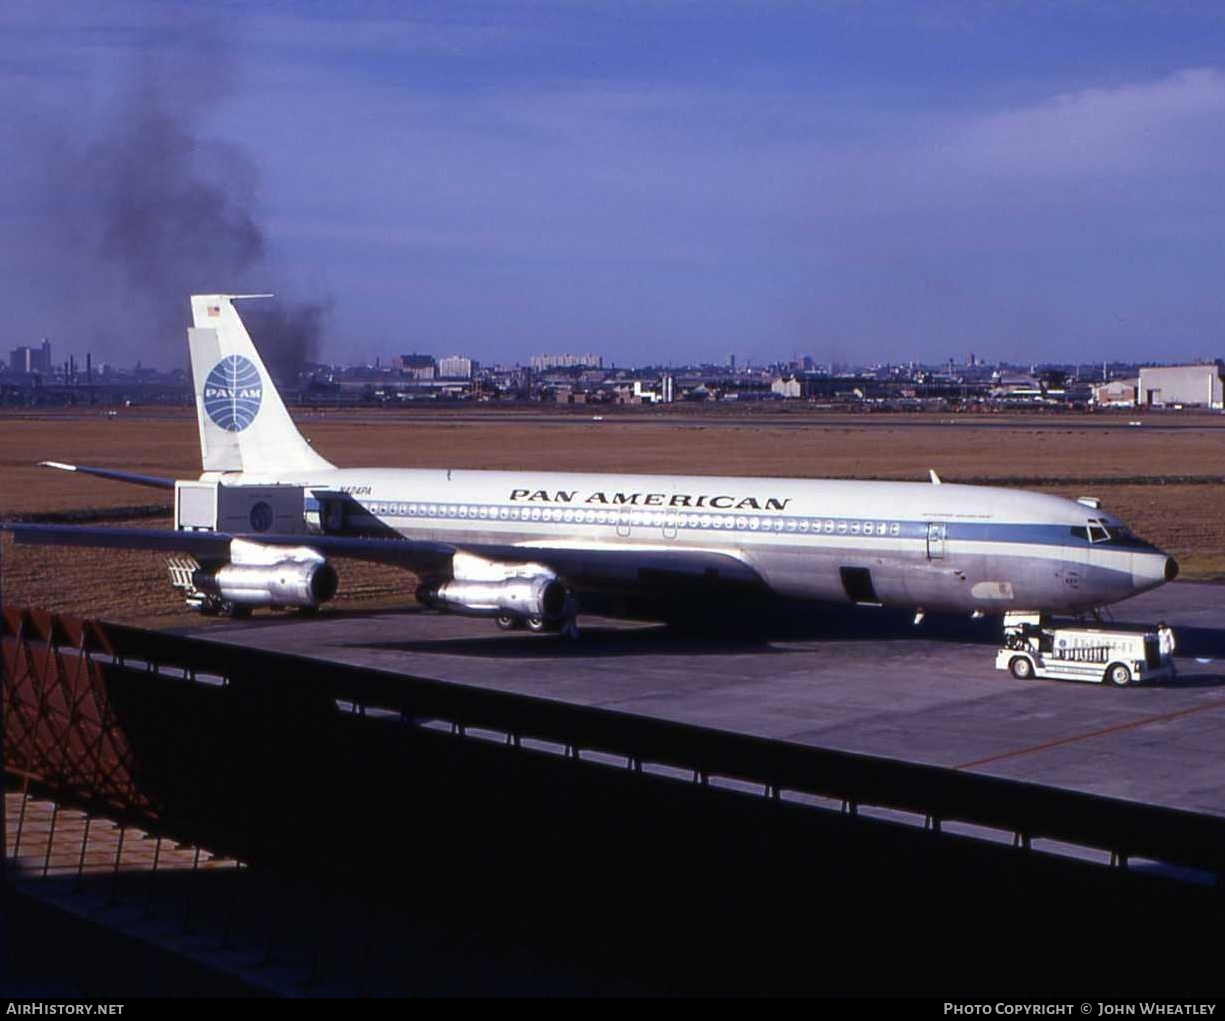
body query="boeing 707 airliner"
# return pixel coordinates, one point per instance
(532, 548)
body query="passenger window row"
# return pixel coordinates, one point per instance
(641, 518)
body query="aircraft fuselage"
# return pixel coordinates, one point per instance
(940, 548)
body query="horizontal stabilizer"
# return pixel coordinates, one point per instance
(153, 481)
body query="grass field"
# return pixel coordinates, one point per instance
(1164, 478)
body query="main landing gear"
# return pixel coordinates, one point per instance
(567, 626)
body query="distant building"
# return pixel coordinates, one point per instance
(542, 363)
(1118, 392)
(455, 367)
(31, 359)
(1168, 385)
(1015, 387)
(789, 387)
(417, 366)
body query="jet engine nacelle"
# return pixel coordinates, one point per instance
(489, 588)
(289, 583)
(542, 597)
(261, 575)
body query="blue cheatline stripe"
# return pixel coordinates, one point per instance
(691, 521)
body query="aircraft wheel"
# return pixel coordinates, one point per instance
(537, 625)
(1118, 674)
(508, 621)
(1021, 668)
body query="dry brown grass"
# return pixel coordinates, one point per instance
(1185, 519)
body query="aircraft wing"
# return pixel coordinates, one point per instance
(153, 481)
(582, 566)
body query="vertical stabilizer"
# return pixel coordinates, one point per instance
(244, 426)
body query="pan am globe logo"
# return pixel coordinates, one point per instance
(232, 393)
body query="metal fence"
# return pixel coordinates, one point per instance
(58, 732)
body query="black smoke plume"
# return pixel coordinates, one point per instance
(138, 207)
(288, 335)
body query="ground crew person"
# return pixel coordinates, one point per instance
(1165, 642)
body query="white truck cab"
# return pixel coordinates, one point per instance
(1118, 657)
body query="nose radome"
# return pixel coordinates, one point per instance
(1150, 569)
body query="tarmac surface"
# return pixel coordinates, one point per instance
(865, 682)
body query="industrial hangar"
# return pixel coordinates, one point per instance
(423, 806)
(1181, 386)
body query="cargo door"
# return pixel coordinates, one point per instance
(857, 583)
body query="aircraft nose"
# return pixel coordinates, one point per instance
(1148, 570)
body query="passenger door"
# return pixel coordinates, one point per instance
(937, 532)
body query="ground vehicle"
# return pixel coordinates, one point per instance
(1117, 657)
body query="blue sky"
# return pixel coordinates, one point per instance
(655, 181)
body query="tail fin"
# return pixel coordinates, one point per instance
(243, 423)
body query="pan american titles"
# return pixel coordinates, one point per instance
(716, 501)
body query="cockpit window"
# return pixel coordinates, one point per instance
(1098, 532)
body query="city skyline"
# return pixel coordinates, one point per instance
(652, 182)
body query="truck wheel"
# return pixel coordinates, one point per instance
(1021, 668)
(1118, 674)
